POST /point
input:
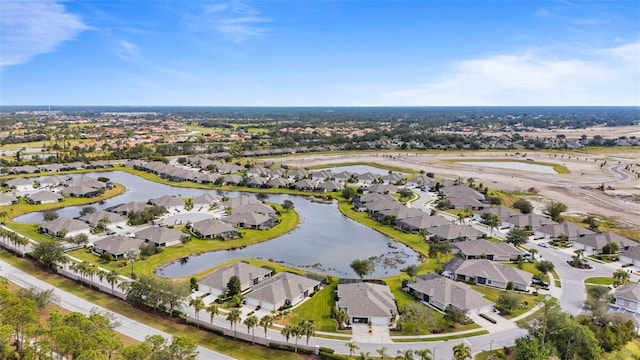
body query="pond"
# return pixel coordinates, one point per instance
(513, 165)
(326, 241)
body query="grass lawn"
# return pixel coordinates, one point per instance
(289, 221)
(407, 171)
(237, 349)
(492, 294)
(528, 267)
(316, 309)
(444, 338)
(599, 280)
(560, 169)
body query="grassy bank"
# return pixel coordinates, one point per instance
(560, 169)
(237, 349)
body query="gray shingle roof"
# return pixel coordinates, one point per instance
(160, 235)
(449, 292)
(117, 245)
(494, 271)
(363, 299)
(282, 286)
(245, 272)
(480, 247)
(629, 292)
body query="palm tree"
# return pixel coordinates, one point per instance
(425, 354)
(265, 322)
(382, 352)
(287, 331)
(188, 203)
(103, 223)
(461, 352)
(364, 356)
(352, 347)
(112, 279)
(198, 304)
(405, 355)
(620, 277)
(233, 317)
(308, 329)
(461, 218)
(297, 334)
(213, 310)
(251, 322)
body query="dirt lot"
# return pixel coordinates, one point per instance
(578, 189)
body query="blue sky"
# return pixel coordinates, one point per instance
(319, 53)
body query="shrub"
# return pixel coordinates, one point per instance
(486, 317)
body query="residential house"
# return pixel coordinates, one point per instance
(232, 179)
(259, 208)
(128, 208)
(44, 197)
(398, 213)
(360, 202)
(161, 236)
(367, 303)
(112, 219)
(256, 181)
(524, 221)
(239, 201)
(490, 273)
(501, 211)
(377, 206)
(80, 191)
(249, 276)
(627, 297)
(279, 182)
(305, 185)
(251, 221)
(381, 189)
(442, 292)
(86, 181)
(64, 227)
(422, 222)
(593, 243)
(52, 181)
(206, 201)
(117, 246)
(422, 181)
(321, 175)
(454, 232)
(484, 249)
(367, 178)
(631, 256)
(282, 290)
(19, 184)
(169, 202)
(7, 199)
(393, 179)
(555, 231)
(207, 178)
(329, 186)
(212, 228)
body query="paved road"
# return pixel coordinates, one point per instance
(129, 327)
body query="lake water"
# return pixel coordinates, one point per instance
(513, 165)
(326, 241)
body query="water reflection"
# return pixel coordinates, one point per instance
(326, 241)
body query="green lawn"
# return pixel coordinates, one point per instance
(289, 221)
(400, 169)
(560, 169)
(528, 267)
(237, 349)
(599, 280)
(492, 294)
(318, 309)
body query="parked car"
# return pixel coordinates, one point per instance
(544, 244)
(540, 283)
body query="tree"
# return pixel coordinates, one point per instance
(262, 196)
(555, 209)
(362, 267)
(461, 352)
(183, 348)
(233, 317)
(251, 322)
(529, 348)
(233, 286)
(296, 333)
(611, 248)
(49, 253)
(364, 356)
(132, 255)
(348, 192)
(405, 355)
(544, 266)
(382, 352)
(508, 301)
(266, 321)
(412, 271)
(592, 222)
(198, 304)
(598, 299)
(87, 210)
(454, 316)
(438, 249)
(188, 204)
(342, 317)
(523, 205)
(49, 215)
(492, 221)
(287, 331)
(308, 329)
(425, 354)
(288, 205)
(620, 277)
(517, 236)
(112, 279)
(213, 310)
(352, 347)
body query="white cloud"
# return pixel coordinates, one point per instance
(31, 28)
(604, 77)
(235, 20)
(126, 51)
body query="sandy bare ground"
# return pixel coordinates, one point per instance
(612, 132)
(578, 190)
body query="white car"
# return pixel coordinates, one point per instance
(544, 244)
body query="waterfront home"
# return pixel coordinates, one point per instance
(249, 276)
